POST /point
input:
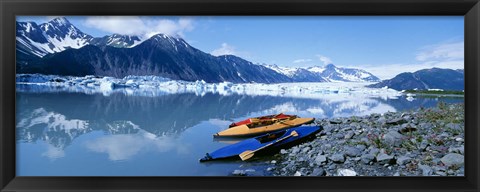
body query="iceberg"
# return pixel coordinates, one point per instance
(156, 86)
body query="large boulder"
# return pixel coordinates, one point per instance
(453, 159)
(393, 138)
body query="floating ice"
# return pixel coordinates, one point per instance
(155, 86)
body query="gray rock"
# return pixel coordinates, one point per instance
(353, 152)
(239, 173)
(346, 172)
(318, 172)
(364, 140)
(337, 158)
(459, 150)
(427, 126)
(405, 128)
(403, 160)
(295, 150)
(439, 168)
(424, 145)
(332, 167)
(374, 151)
(339, 136)
(283, 151)
(361, 147)
(407, 116)
(441, 173)
(455, 126)
(327, 129)
(396, 121)
(453, 159)
(349, 135)
(306, 149)
(383, 158)
(426, 170)
(382, 120)
(450, 172)
(367, 158)
(298, 173)
(335, 121)
(393, 138)
(320, 159)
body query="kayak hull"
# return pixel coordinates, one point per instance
(269, 119)
(245, 131)
(232, 151)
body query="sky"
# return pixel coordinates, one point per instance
(382, 45)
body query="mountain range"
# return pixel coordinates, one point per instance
(59, 48)
(328, 73)
(434, 78)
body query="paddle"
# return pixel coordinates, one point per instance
(283, 122)
(249, 154)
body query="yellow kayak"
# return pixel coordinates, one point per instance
(247, 130)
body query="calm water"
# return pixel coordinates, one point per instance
(61, 134)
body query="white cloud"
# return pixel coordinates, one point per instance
(53, 152)
(447, 51)
(447, 56)
(224, 50)
(324, 59)
(133, 25)
(302, 60)
(126, 146)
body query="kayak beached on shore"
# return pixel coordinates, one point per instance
(261, 127)
(264, 143)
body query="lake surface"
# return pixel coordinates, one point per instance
(80, 134)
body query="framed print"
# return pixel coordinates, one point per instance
(152, 95)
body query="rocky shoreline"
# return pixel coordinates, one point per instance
(425, 142)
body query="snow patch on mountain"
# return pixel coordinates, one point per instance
(329, 73)
(54, 36)
(288, 71)
(316, 69)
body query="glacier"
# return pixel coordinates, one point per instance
(156, 86)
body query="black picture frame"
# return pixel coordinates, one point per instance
(470, 9)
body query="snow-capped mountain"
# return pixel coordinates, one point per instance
(117, 40)
(334, 73)
(59, 34)
(298, 74)
(434, 78)
(54, 36)
(161, 55)
(328, 73)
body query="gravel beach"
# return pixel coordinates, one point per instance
(425, 142)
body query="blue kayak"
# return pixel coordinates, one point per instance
(271, 141)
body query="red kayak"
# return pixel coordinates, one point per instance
(263, 119)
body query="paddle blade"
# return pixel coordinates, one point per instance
(246, 155)
(294, 133)
(249, 154)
